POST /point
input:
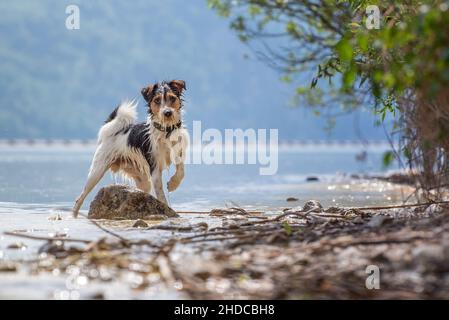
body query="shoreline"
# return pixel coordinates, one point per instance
(284, 145)
(295, 254)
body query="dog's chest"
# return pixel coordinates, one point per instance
(162, 151)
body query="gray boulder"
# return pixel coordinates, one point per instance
(119, 202)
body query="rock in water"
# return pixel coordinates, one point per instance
(120, 202)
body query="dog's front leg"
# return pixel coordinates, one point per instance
(156, 180)
(177, 156)
(176, 179)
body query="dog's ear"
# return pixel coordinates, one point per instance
(178, 86)
(147, 92)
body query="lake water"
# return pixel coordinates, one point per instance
(37, 183)
(55, 176)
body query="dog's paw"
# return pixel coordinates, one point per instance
(173, 184)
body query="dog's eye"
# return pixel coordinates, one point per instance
(157, 100)
(172, 99)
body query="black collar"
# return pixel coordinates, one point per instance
(168, 129)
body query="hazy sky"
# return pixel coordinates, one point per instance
(56, 82)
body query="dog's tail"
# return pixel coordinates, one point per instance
(119, 120)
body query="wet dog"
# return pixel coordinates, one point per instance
(141, 151)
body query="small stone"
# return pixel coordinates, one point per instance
(202, 225)
(292, 199)
(140, 224)
(379, 220)
(7, 267)
(97, 296)
(17, 246)
(313, 204)
(119, 202)
(56, 217)
(358, 220)
(312, 178)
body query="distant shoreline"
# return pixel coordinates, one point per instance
(325, 145)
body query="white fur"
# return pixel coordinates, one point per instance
(113, 146)
(126, 115)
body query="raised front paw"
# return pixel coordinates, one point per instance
(173, 184)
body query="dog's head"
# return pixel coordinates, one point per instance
(165, 101)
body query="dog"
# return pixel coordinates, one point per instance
(141, 151)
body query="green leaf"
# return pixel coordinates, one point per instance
(363, 42)
(407, 153)
(344, 50)
(287, 228)
(354, 25)
(286, 78)
(291, 28)
(388, 158)
(349, 77)
(254, 10)
(389, 80)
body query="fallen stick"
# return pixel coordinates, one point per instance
(208, 212)
(124, 240)
(229, 231)
(243, 236)
(370, 242)
(400, 206)
(34, 237)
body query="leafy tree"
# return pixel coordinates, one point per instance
(401, 68)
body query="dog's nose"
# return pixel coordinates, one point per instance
(168, 113)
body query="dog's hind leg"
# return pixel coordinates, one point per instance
(97, 171)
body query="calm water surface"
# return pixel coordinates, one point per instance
(37, 184)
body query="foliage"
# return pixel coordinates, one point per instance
(331, 38)
(400, 68)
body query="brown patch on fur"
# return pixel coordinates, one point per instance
(173, 101)
(115, 166)
(156, 106)
(125, 167)
(178, 86)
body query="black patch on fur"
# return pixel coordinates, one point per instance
(112, 115)
(149, 92)
(124, 130)
(138, 138)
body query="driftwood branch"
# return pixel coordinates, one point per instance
(34, 237)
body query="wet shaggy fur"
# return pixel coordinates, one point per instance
(141, 151)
